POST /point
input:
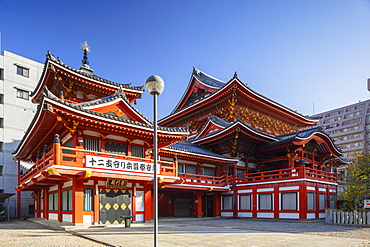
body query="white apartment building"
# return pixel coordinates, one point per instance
(18, 78)
(349, 126)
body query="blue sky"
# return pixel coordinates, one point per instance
(309, 55)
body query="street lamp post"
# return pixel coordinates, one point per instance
(155, 85)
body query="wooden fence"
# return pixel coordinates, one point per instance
(347, 218)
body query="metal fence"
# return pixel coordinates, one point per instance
(347, 218)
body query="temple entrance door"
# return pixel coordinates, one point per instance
(182, 207)
(209, 206)
(113, 204)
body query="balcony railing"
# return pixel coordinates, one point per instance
(74, 157)
(204, 180)
(284, 174)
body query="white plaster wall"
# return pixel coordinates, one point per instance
(53, 216)
(245, 214)
(17, 114)
(288, 188)
(226, 214)
(139, 217)
(289, 215)
(265, 215)
(311, 216)
(67, 217)
(88, 219)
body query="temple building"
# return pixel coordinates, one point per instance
(225, 150)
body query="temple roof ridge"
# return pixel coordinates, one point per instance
(197, 149)
(302, 134)
(233, 124)
(219, 121)
(207, 79)
(51, 57)
(48, 94)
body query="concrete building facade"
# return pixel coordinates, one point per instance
(18, 77)
(349, 126)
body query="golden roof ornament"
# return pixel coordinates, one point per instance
(85, 62)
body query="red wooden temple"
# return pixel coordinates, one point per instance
(225, 150)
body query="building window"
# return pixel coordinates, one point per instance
(1, 74)
(322, 201)
(23, 71)
(245, 202)
(289, 201)
(1, 170)
(333, 201)
(310, 201)
(187, 169)
(1, 146)
(137, 151)
(1, 98)
(42, 201)
(265, 202)
(227, 203)
(1, 122)
(115, 147)
(53, 201)
(67, 200)
(91, 144)
(23, 94)
(208, 171)
(89, 199)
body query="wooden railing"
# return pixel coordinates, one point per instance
(204, 180)
(75, 157)
(41, 164)
(283, 174)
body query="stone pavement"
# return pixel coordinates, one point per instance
(215, 232)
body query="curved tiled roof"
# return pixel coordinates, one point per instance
(50, 57)
(301, 134)
(219, 121)
(207, 79)
(196, 149)
(117, 95)
(221, 86)
(78, 106)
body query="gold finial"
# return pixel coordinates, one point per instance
(85, 47)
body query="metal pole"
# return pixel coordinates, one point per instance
(8, 213)
(155, 151)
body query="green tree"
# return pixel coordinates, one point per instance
(357, 182)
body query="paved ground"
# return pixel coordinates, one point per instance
(192, 232)
(26, 233)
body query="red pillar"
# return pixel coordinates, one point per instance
(217, 204)
(46, 203)
(133, 201)
(198, 204)
(303, 200)
(78, 201)
(235, 199)
(276, 201)
(254, 201)
(96, 204)
(148, 202)
(317, 201)
(60, 202)
(18, 192)
(38, 203)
